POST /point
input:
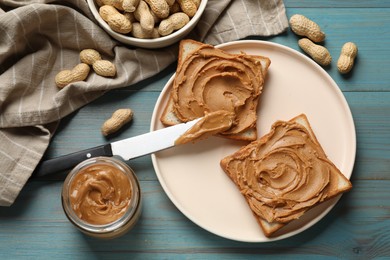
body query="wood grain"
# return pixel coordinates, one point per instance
(358, 227)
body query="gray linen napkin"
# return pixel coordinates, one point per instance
(41, 37)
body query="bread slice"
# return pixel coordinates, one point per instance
(186, 49)
(284, 174)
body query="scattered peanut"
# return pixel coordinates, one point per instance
(347, 57)
(172, 23)
(89, 56)
(319, 53)
(118, 119)
(303, 26)
(78, 73)
(117, 21)
(104, 68)
(188, 7)
(144, 16)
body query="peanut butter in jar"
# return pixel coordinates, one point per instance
(101, 197)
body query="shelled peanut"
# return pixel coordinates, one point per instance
(347, 57)
(303, 26)
(318, 53)
(116, 20)
(78, 73)
(88, 57)
(172, 23)
(118, 119)
(147, 19)
(312, 34)
(103, 68)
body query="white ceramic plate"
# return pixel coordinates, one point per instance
(192, 178)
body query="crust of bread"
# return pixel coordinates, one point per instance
(186, 48)
(343, 184)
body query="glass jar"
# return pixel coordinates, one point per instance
(101, 196)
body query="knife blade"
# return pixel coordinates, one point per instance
(127, 149)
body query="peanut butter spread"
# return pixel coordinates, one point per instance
(213, 123)
(100, 194)
(210, 80)
(283, 174)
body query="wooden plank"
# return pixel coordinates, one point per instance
(83, 129)
(371, 112)
(358, 227)
(155, 83)
(367, 27)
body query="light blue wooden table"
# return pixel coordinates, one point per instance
(358, 227)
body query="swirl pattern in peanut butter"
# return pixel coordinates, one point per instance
(100, 194)
(284, 173)
(211, 80)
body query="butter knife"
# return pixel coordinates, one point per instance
(127, 149)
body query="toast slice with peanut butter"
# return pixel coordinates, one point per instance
(225, 81)
(284, 174)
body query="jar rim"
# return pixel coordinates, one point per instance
(114, 225)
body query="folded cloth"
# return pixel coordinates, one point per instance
(42, 37)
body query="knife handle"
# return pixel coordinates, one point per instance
(68, 161)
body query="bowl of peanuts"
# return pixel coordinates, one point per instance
(147, 24)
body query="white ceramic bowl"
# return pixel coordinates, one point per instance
(149, 43)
